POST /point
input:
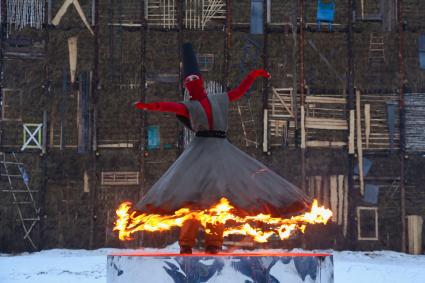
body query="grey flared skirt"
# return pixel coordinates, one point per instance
(212, 168)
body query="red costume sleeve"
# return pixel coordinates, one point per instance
(238, 92)
(172, 107)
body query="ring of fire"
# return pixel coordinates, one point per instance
(129, 221)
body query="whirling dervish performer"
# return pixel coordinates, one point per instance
(211, 167)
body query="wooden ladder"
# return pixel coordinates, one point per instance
(376, 48)
(22, 196)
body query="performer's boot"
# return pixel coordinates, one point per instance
(214, 238)
(187, 237)
(212, 250)
(185, 250)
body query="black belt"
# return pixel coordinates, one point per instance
(211, 134)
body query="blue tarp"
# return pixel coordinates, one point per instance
(366, 167)
(257, 22)
(154, 140)
(371, 193)
(422, 51)
(391, 117)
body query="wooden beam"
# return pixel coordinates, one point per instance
(367, 123)
(334, 197)
(340, 186)
(325, 144)
(265, 131)
(346, 208)
(56, 20)
(351, 135)
(86, 187)
(73, 53)
(325, 99)
(64, 8)
(325, 123)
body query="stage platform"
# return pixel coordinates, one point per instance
(223, 267)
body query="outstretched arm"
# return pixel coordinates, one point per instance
(238, 92)
(172, 107)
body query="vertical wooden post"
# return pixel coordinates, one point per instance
(47, 93)
(265, 57)
(143, 114)
(227, 44)
(142, 121)
(2, 25)
(295, 73)
(93, 154)
(302, 96)
(350, 195)
(367, 123)
(402, 125)
(181, 86)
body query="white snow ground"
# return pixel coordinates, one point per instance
(82, 266)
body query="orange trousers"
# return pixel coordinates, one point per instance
(189, 231)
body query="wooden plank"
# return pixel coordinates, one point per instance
(73, 52)
(82, 15)
(367, 123)
(414, 228)
(325, 99)
(116, 145)
(325, 123)
(325, 144)
(340, 186)
(64, 8)
(265, 130)
(333, 185)
(56, 20)
(359, 142)
(345, 205)
(86, 187)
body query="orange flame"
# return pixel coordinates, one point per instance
(129, 222)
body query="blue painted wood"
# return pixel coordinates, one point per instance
(154, 139)
(257, 23)
(325, 12)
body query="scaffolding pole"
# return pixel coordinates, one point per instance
(402, 155)
(227, 44)
(352, 227)
(93, 151)
(302, 95)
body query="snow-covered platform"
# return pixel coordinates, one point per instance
(225, 267)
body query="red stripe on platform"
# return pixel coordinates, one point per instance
(223, 255)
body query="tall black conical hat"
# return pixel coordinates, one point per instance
(190, 63)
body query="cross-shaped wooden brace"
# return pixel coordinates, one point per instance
(63, 10)
(33, 137)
